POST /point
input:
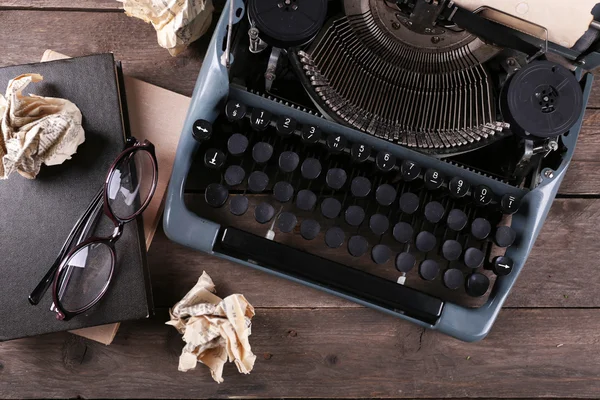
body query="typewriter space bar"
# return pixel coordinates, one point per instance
(329, 274)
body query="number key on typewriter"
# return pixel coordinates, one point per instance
(385, 161)
(311, 134)
(458, 187)
(510, 204)
(482, 195)
(286, 125)
(336, 143)
(433, 179)
(235, 110)
(214, 158)
(201, 130)
(409, 170)
(260, 119)
(360, 152)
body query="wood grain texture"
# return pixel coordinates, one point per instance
(345, 353)
(89, 5)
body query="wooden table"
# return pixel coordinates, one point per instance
(546, 342)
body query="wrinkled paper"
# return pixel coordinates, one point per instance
(36, 129)
(177, 22)
(214, 330)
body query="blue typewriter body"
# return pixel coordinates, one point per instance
(214, 91)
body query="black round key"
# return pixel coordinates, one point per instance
(502, 265)
(453, 278)
(286, 222)
(385, 161)
(336, 178)
(216, 195)
(334, 237)
(379, 224)
(234, 175)
(360, 186)
(354, 215)
(474, 257)
(385, 195)
(451, 250)
(409, 170)
(258, 181)
(214, 158)
(380, 254)
(457, 220)
(429, 269)
(309, 229)
(405, 262)
(288, 161)
(330, 208)
(306, 200)
(286, 125)
(434, 212)
(458, 187)
(260, 119)
(311, 168)
(238, 205)
(403, 232)
(237, 144)
(505, 236)
(262, 152)
(481, 228)
(360, 152)
(263, 213)
(482, 195)
(425, 241)
(336, 143)
(311, 134)
(357, 246)
(283, 192)
(477, 285)
(433, 179)
(201, 130)
(510, 204)
(409, 203)
(235, 111)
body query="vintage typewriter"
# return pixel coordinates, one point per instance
(402, 154)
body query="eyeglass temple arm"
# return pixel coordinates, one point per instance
(40, 290)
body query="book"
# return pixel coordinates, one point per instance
(37, 215)
(155, 114)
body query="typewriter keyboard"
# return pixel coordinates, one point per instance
(347, 202)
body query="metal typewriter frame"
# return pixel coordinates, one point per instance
(211, 91)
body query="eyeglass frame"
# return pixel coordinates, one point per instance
(54, 274)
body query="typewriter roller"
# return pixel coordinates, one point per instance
(401, 154)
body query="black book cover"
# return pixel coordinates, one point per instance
(37, 215)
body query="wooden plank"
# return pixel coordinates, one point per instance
(560, 272)
(89, 5)
(346, 353)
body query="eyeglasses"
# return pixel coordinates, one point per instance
(80, 277)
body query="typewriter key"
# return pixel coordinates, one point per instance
(238, 205)
(482, 195)
(425, 241)
(235, 111)
(385, 161)
(201, 130)
(510, 204)
(216, 195)
(477, 284)
(237, 144)
(481, 228)
(334, 237)
(263, 213)
(336, 143)
(258, 181)
(306, 200)
(409, 203)
(434, 212)
(474, 257)
(214, 158)
(260, 119)
(453, 278)
(309, 229)
(403, 232)
(405, 262)
(429, 269)
(409, 170)
(330, 208)
(336, 178)
(505, 236)
(385, 195)
(311, 168)
(380, 254)
(354, 215)
(433, 179)
(457, 220)
(311, 134)
(262, 152)
(451, 250)
(458, 187)
(288, 161)
(286, 222)
(234, 175)
(357, 246)
(360, 186)
(283, 192)
(502, 265)
(379, 224)
(360, 152)
(286, 125)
